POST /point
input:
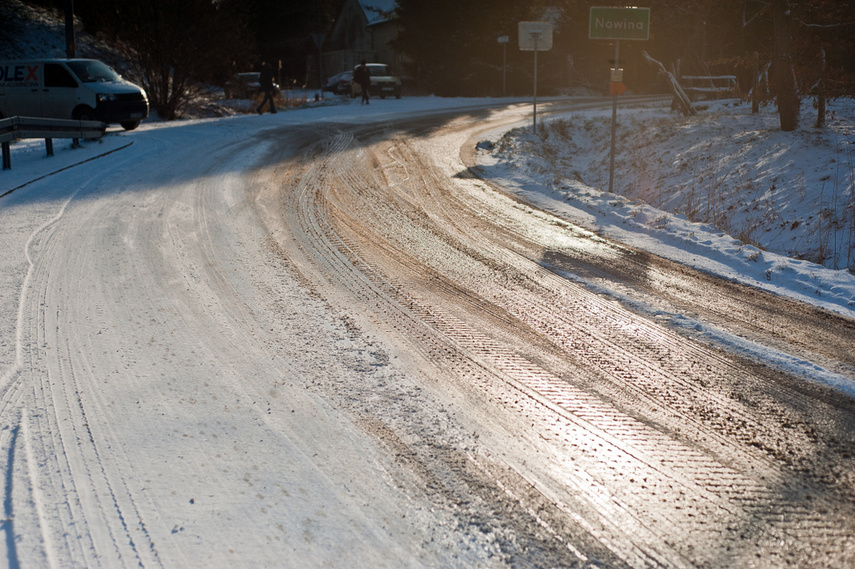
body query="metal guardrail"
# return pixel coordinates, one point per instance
(709, 85)
(16, 128)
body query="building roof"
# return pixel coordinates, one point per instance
(377, 11)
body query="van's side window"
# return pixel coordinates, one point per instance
(58, 76)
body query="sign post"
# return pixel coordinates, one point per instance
(535, 36)
(319, 41)
(616, 78)
(504, 41)
(608, 23)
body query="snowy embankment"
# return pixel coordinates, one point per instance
(726, 191)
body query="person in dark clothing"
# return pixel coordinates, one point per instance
(265, 80)
(363, 78)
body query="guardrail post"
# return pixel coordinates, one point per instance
(75, 143)
(49, 146)
(7, 156)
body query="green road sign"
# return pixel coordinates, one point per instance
(619, 23)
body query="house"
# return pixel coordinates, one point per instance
(363, 30)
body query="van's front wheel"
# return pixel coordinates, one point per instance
(130, 125)
(84, 113)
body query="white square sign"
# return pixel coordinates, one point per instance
(537, 34)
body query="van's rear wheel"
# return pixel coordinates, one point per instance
(130, 125)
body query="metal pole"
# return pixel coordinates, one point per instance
(534, 118)
(321, 69)
(614, 121)
(7, 156)
(504, 66)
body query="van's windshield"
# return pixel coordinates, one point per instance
(93, 71)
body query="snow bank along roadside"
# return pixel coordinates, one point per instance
(547, 171)
(767, 200)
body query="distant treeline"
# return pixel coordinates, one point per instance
(450, 47)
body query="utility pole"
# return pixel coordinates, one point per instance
(70, 47)
(319, 41)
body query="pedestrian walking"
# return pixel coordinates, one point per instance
(265, 80)
(363, 78)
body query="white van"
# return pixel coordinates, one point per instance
(79, 89)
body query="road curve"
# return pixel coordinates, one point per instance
(333, 344)
(613, 437)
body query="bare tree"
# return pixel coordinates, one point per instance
(172, 44)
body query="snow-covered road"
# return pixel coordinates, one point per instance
(291, 342)
(157, 401)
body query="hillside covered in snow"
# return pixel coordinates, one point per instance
(786, 193)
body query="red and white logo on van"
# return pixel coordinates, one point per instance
(21, 75)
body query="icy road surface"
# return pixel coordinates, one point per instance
(326, 343)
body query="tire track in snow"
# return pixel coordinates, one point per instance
(339, 259)
(703, 474)
(63, 465)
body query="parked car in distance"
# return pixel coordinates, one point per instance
(339, 83)
(245, 86)
(383, 83)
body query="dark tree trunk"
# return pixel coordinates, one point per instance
(785, 77)
(70, 43)
(820, 96)
(755, 89)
